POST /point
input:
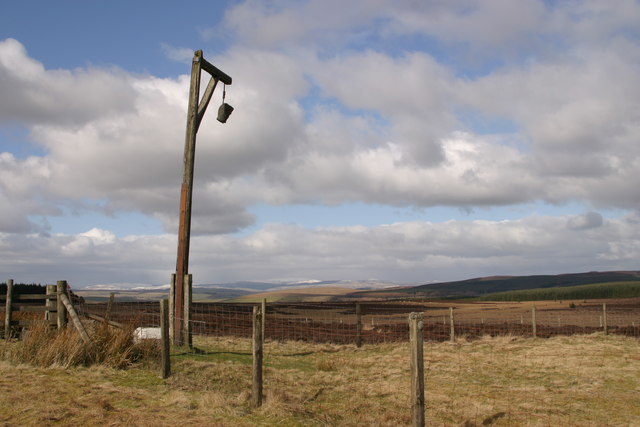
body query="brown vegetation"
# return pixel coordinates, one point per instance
(45, 346)
(571, 381)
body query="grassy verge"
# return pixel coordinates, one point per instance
(571, 381)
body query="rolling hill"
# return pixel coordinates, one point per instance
(489, 285)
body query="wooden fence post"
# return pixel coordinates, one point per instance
(75, 318)
(416, 340)
(452, 332)
(7, 316)
(256, 390)
(164, 338)
(605, 327)
(188, 296)
(358, 325)
(107, 315)
(534, 327)
(50, 304)
(62, 312)
(264, 318)
(172, 296)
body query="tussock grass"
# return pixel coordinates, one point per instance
(501, 381)
(46, 346)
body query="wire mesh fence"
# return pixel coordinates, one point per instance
(380, 322)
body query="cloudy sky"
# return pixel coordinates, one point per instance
(405, 141)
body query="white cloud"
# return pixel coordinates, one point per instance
(132, 160)
(474, 172)
(412, 251)
(292, 23)
(179, 54)
(586, 221)
(487, 24)
(32, 94)
(320, 119)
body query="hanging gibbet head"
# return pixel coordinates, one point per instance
(224, 112)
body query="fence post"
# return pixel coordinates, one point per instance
(452, 332)
(256, 390)
(172, 296)
(74, 318)
(358, 325)
(164, 330)
(604, 319)
(51, 294)
(188, 295)
(107, 315)
(62, 311)
(416, 340)
(534, 327)
(7, 316)
(264, 318)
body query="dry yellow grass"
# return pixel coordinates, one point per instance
(44, 346)
(570, 381)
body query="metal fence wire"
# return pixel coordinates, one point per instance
(380, 322)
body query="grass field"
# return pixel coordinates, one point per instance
(571, 381)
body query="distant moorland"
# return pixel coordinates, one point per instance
(609, 284)
(590, 285)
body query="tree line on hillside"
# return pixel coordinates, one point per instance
(24, 288)
(595, 291)
(34, 289)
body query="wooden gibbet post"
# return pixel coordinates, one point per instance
(8, 308)
(61, 314)
(172, 300)
(184, 227)
(416, 341)
(195, 112)
(534, 326)
(164, 338)
(188, 295)
(358, 325)
(256, 389)
(605, 326)
(452, 331)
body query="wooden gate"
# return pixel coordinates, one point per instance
(50, 304)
